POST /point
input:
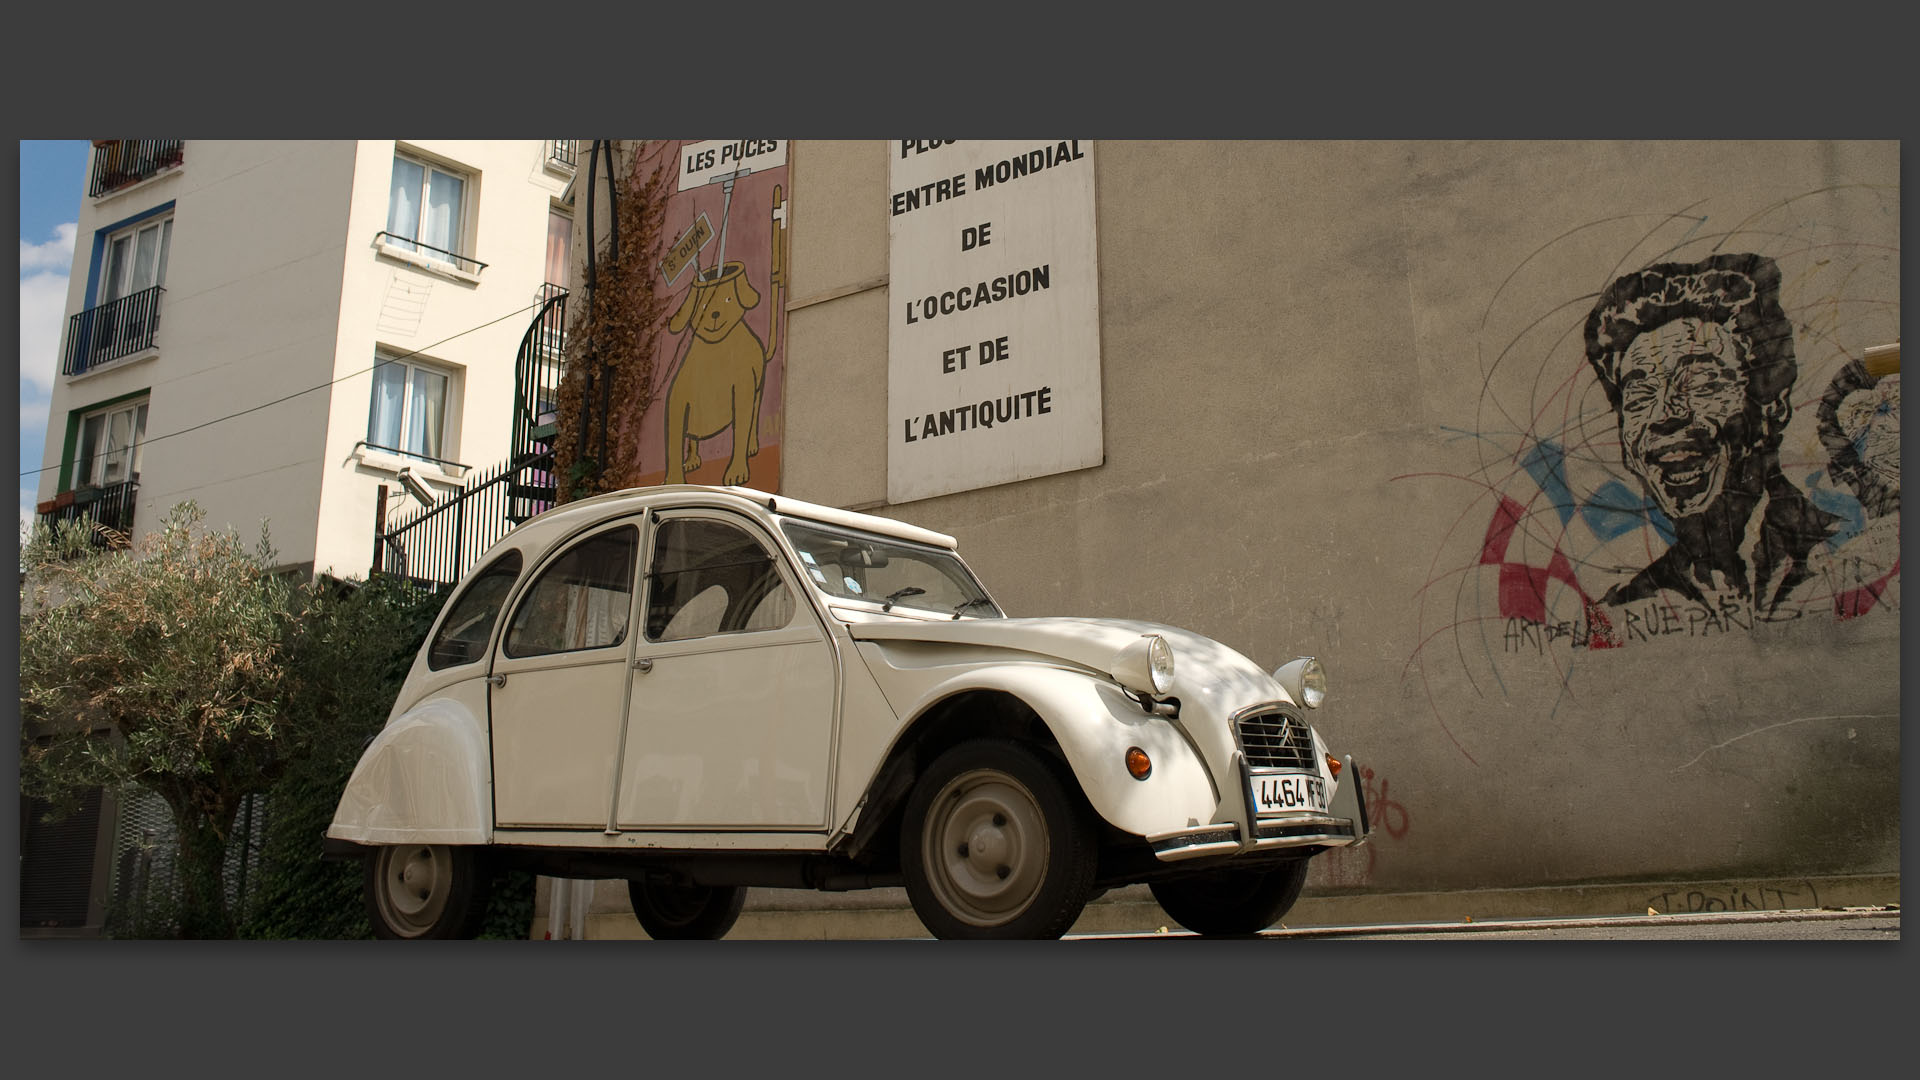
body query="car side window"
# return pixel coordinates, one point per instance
(710, 577)
(581, 600)
(462, 638)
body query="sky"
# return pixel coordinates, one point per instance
(51, 174)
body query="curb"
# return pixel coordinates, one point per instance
(883, 914)
(1720, 919)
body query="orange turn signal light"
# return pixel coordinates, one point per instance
(1333, 764)
(1138, 764)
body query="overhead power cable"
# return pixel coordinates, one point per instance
(299, 393)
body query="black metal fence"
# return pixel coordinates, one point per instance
(110, 506)
(119, 163)
(115, 329)
(436, 544)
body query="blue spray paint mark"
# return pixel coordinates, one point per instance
(1853, 518)
(1615, 511)
(1547, 464)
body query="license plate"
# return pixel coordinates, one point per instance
(1289, 793)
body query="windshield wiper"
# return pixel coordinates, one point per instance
(965, 604)
(911, 590)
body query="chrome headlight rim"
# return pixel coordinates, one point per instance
(1305, 680)
(1145, 666)
(1160, 663)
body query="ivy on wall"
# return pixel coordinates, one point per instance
(609, 383)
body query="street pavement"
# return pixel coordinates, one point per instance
(1846, 924)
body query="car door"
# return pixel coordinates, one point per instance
(560, 682)
(731, 721)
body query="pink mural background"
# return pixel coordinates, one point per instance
(745, 224)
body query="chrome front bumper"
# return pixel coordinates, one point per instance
(1344, 824)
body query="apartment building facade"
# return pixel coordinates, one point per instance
(278, 330)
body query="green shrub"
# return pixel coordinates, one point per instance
(349, 658)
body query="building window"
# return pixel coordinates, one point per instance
(409, 410)
(427, 212)
(135, 260)
(111, 442)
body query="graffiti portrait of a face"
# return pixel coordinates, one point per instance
(1681, 390)
(1697, 360)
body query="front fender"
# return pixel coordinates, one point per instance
(1095, 723)
(426, 778)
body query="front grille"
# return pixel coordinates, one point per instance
(1276, 740)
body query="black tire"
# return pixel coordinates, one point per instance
(426, 891)
(1232, 903)
(669, 912)
(994, 844)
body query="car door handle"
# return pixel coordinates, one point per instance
(496, 680)
(642, 664)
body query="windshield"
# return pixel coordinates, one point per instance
(892, 573)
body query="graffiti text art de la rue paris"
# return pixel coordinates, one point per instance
(1703, 446)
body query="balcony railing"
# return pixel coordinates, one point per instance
(560, 154)
(408, 243)
(435, 545)
(114, 329)
(109, 507)
(119, 163)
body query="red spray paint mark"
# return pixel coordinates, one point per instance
(1523, 588)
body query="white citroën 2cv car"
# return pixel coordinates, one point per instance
(701, 690)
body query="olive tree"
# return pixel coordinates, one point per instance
(163, 666)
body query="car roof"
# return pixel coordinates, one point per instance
(547, 528)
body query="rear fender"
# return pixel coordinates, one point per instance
(426, 778)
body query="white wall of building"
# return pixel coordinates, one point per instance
(251, 291)
(466, 324)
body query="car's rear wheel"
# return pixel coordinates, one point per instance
(1232, 903)
(995, 845)
(426, 891)
(669, 912)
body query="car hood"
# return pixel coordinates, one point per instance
(1202, 667)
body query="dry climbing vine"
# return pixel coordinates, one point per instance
(614, 336)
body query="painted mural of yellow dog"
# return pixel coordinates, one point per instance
(718, 384)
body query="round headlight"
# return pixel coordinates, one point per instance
(1160, 663)
(1145, 666)
(1305, 681)
(1313, 684)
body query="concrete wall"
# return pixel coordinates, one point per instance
(1325, 365)
(1348, 412)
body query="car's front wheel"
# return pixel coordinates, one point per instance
(1232, 903)
(669, 912)
(995, 845)
(426, 891)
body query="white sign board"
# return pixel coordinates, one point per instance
(723, 159)
(993, 345)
